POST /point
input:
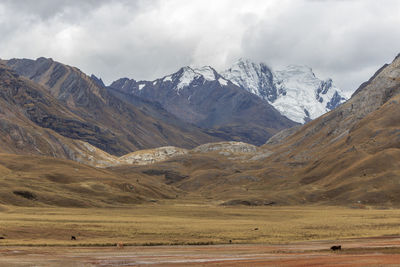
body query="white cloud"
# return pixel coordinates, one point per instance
(345, 40)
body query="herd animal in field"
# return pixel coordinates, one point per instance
(334, 248)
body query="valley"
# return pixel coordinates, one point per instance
(333, 180)
(199, 133)
(348, 156)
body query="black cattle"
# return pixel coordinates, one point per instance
(334, 248)
(73, 237)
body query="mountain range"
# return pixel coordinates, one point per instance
(204, 136)
(294, 91)
(204, 98)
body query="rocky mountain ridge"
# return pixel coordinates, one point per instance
(33, 122)
(116, 126)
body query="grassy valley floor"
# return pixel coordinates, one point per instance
(191, 223)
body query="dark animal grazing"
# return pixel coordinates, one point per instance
(255, 229)
(230, 241)
(2, 237)
(334, 248)
(73, 237)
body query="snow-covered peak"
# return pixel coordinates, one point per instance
(207, 72)
(294, 90)
(254, 77)
(298, 77)
(188, 75)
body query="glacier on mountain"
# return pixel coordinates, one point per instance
(294, 91)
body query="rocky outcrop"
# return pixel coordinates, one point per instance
(149, 156)
(224, 147)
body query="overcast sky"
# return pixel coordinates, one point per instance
(343, 39)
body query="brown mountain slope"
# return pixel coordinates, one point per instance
(351, 154)
(119, 127)
(22, 104)
(28, 115)
(41, 181)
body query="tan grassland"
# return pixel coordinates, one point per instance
(170, 223)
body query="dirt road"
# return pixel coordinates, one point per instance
(355, 252)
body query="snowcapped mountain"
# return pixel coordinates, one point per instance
(187, 75)
(255, 78)
(203, 97)
(295, 90)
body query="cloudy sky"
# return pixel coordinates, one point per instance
(347, 40)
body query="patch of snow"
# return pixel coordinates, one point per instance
(141, 86)
(207, 72)
(168, 78)
(189, 75)
(222, 81)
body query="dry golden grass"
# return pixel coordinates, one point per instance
(174, 223)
